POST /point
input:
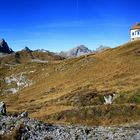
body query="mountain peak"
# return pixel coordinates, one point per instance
(2, 40)
(77, 51)
(27, 49)
(4, 48)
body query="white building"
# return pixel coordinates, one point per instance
(135, 32)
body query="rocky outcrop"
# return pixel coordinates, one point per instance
(17, 82)
(109, 98)
(31, 129)
(4, 48)
(2, 108)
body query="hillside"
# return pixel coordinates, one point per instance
(26, 56)
(95, 89)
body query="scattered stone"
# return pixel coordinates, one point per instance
(17, 82)
(31, 129)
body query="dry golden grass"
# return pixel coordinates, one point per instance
(64, 86)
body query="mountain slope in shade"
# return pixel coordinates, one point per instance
(4, 48)
(27, 55)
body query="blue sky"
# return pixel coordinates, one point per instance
(57, 25)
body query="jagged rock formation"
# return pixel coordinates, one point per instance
(22, 127)
(4, 48)
(75, 52)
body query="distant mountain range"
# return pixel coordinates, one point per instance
(81, 50)
(74, 52)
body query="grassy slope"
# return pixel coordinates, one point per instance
(25, 56)
(71, 91)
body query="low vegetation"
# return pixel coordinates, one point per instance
(73, 90)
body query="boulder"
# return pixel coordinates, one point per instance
(109, 98)
(23, 114)
(2, 108)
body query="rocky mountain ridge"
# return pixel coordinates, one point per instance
(77, 51)
(74, 52)
(82, 50)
